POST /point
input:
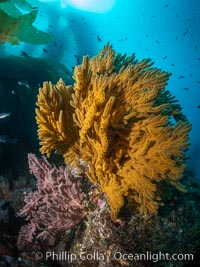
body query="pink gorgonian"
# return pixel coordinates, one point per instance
(56, 206)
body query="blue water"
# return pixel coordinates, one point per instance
(165, 31)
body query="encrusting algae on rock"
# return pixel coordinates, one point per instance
(122, 122)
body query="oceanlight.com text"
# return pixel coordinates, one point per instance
(154, 257)
(117, 256)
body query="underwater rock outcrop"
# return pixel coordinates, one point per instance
(20, 79)
(122, 122)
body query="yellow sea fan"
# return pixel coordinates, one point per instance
(117, 118)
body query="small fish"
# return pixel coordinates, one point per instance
(172, 65)
(24, 83)
(157, 42)
(6, 139)
(186, 88)
(4, 115)
(24, 54)
(78, 59)
(181, 77)
(99, 39)
(166, 6)
(165, 57)
(44, 50)
(185, 32)
(198, 106)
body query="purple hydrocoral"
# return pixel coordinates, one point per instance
(56, 205)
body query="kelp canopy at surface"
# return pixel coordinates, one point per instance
(16, 27)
